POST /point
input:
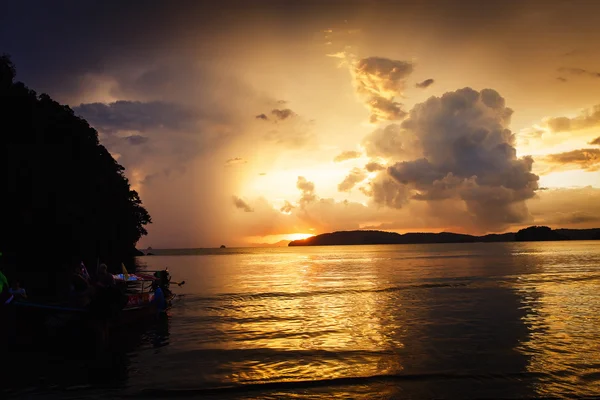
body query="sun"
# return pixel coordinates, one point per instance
(298, 236)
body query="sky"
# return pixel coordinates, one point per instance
(252, 122)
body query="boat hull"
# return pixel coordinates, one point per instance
(39, 321)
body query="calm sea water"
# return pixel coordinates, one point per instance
(498, 320)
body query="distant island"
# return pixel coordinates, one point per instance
(532, 233)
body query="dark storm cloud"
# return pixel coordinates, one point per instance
(147, 136)
(587, 119)
(70, 39)
(262, 116)
(74, 39)
(425, 84)
(136, 116)
(461, 149)
(241, 204)
(347, 155)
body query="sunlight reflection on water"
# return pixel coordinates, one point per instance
(498, 320)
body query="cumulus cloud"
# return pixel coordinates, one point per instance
(386, 191)
(347, 155)
(527, 135)
(278, 114)
(586, 119)
(425, 84)
(381, 76)
(462, 150)
(374, 166)
(586, 159)
(378, 81)
(234, 161)
(287, 207)
(286, 128)
(140, 116)
(383, 109)
(596, 141)
(282, 114)
(579, 72)
(308, 191)
(391, 142)
(567, 207)
(241, 204)
(305, 185)
(153, 138)
(355, 176)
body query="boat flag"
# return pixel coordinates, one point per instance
(125, 273)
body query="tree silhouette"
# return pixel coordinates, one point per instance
(64, 197)
(538, 234)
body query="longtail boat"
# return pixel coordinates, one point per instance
(136, 303)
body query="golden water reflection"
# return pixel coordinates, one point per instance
(563, 300)
(483, 312)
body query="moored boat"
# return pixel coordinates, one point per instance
(132, 301)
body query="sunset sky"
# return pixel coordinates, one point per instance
(254, 121)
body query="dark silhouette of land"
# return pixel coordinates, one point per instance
(533, 233)
(64, 197)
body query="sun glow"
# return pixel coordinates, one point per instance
(277, 239)
(298, 236)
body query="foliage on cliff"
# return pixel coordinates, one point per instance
(64, 197)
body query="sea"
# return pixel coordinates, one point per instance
(442, 321)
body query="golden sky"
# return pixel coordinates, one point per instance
(254, 122)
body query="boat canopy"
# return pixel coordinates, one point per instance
(134, 277)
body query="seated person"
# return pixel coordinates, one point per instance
(103, 278)
(159, 298)
(80, 289)
(17, 291)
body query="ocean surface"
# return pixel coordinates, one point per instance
(445, 321)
